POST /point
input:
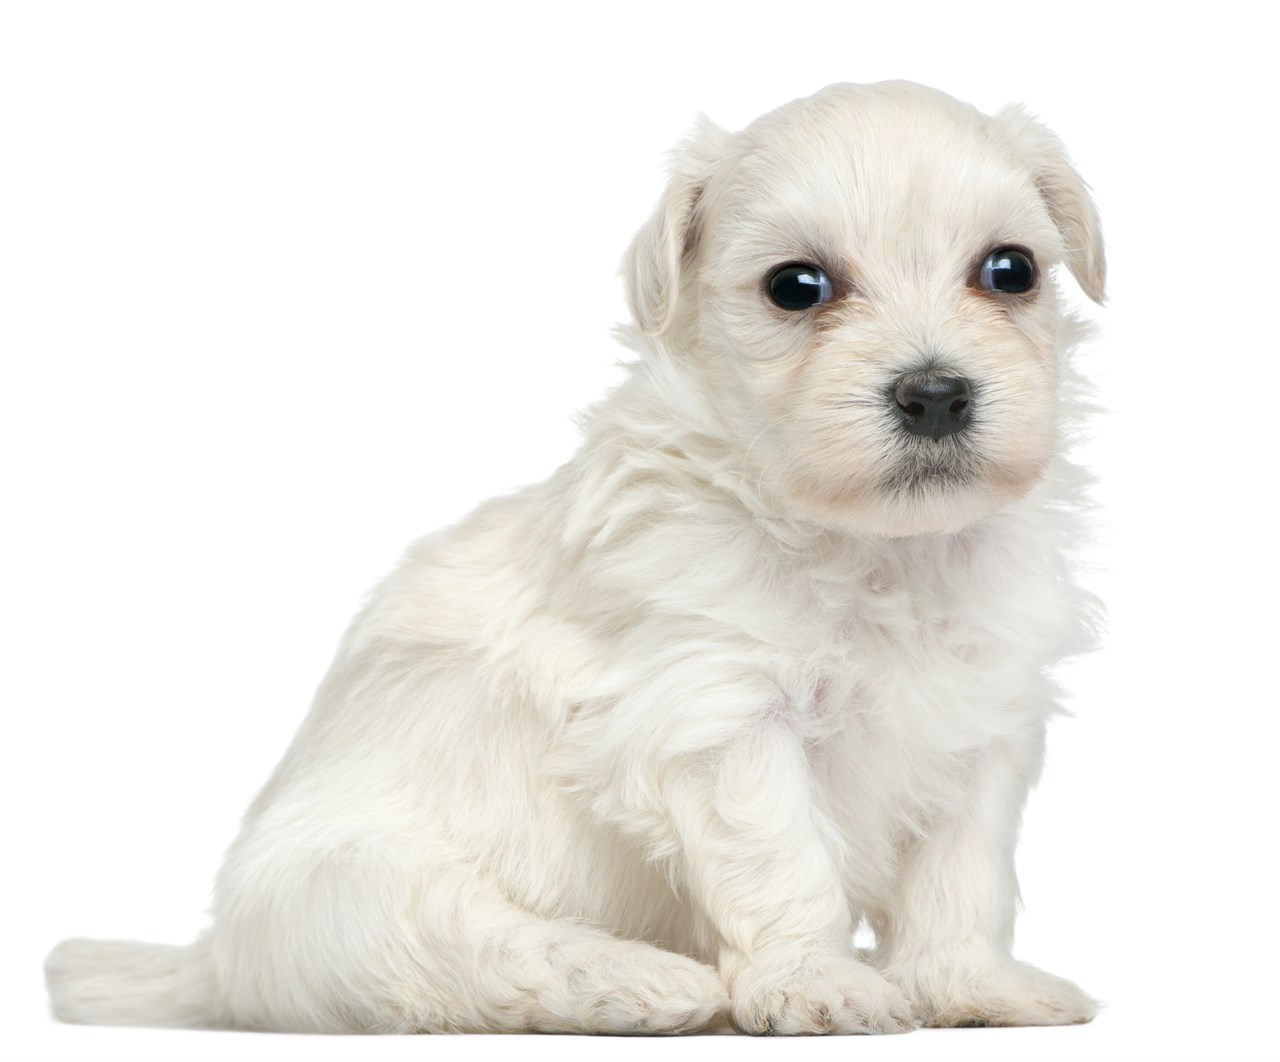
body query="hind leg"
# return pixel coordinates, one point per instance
(371, 948)
(559, 977)
(514, 971)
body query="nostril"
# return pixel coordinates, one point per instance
(959, 406)
(912, 409)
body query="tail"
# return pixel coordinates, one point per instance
(123, 982)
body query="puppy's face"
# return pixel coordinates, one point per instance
(859, 284)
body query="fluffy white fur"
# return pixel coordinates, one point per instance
(637, 748)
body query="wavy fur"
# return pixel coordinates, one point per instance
(637, 748)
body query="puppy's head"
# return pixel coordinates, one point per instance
(859, 285)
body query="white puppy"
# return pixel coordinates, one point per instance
(637, 748)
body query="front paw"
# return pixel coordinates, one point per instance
(816, 995)
(992, 992)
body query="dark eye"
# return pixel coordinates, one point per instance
(1008, 269)
(797, 287)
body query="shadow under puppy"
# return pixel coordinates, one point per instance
(637, 748)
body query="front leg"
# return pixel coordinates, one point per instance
(758, 858)
(946, 939)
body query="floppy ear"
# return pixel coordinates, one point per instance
(660, 251)
(1065, 194)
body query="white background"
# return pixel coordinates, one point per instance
(282, 287)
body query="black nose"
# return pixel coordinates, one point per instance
(933, 405)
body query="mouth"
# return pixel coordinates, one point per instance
(944, 465)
